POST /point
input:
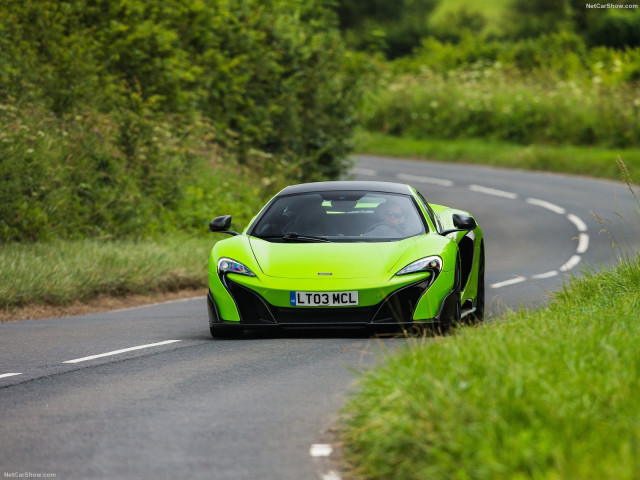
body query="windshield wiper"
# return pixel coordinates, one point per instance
(293, 237)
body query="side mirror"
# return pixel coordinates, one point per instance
(463, 223)
(221, 225)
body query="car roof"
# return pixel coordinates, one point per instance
(356, 185)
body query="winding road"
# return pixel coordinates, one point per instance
(145, 392)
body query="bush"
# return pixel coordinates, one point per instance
(617, 29)
(489, 102)
(131, 173)
(110, 108)
(551, 90)
(395, 28)
(272, 77)
(531, 18)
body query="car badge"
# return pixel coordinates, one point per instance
(325, 273)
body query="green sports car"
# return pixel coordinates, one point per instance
(346, 254)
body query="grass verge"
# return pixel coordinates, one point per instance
(591, 161)
(541, 394)
(63, 272)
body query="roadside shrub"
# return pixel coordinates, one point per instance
(531, 18)
(273, 77)
(454, 25)
(616, 28)
(392, 28)
(133, 174)
(550, 90)
(561, 54)
(111, 109)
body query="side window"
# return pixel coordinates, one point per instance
(432, 215)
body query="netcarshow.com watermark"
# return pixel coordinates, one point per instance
(612, 5)
(28, 475)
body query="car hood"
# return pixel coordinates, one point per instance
(334, 260)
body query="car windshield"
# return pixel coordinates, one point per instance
(336, 216)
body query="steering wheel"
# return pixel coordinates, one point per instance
(376, 225)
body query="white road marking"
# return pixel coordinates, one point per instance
(547, 205)
(5, 375)
(573, 261)
(577, 221)
(506, 283)
(364, 171)
(429, 180)
(583, 243)
(116, 352)
(550, 274)
(493, 191)
(583, 239)
(320, 450)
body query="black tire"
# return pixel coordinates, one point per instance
(226, 333)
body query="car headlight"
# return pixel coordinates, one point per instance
(227, 265)
(427, 264)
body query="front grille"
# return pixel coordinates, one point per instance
(251, 306)
(400, 305)
(255, 310)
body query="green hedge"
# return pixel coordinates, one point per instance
(273, 77)
(551, 90)
(127, 174)
(111, 110)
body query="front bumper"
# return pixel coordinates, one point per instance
(419, 301)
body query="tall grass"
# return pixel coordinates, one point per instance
(61, 272)
(546, 395)
(551, 90)
(494, 103)
(582, 160)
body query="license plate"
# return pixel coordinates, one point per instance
(324, 299)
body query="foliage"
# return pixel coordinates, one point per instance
(531, 18)
(131, 173)
(550, 90)
(110, 110)
(451, 19)
(578, 160)
(62, 272)
(394, 28)
(399, 28)
(454, 25)
(617, 29)
(546, 395)
(611, 24)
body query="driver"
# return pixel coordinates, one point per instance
(392, 224)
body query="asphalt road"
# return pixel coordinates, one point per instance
(181, 405)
